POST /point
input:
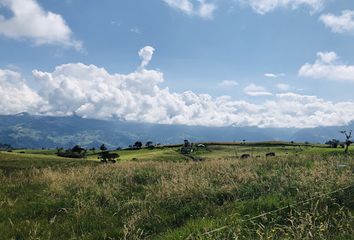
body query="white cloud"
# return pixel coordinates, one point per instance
(15, 95)
(228, 83)
(283, 87)
(274, 75)
(339, 24)
(146, 55)
(93, 92)
(30, 21)
(136, 30)
(199, 8)
(265, 6)
(255, 90)
(327, 66)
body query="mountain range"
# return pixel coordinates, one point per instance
(24, 130)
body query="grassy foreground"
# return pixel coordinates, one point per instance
(299, 194)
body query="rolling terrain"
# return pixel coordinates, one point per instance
(304, 192)
(31, 131)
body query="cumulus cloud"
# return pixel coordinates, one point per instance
(30, 21)
(265, 6)
(199, 8)
(255, 90)
(307, 111)
(92, 92)
(228, 83)
(146, 55)
(15, 95)
(327, 66)
(339, 24)
(274, 75)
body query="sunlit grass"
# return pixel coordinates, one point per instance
(163, 195)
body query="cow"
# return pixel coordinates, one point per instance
(270, 154)
(245, 156)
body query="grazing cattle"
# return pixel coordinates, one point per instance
(270, 154)
(245, 156)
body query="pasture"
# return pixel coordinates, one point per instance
(304, 192)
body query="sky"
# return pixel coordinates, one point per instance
(265, 63)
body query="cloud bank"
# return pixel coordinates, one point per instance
(90, 91)
(31, 22)
(15, 95)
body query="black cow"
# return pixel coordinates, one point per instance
(245, 156)
(270, 154)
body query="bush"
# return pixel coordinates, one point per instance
(71, 154)
(75, 152)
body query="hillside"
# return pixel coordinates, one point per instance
(300, 193)
(29, 131)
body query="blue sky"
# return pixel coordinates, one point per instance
(253, 51)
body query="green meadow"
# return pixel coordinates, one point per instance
(304, 192)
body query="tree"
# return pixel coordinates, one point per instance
(137, 145)
(348, 136)
(103, 148)
(75, 152)
(78, 149)
(106, 157)
(187, 147)
(5, 147)
(333, 143)
(59, 150)
(150, 145)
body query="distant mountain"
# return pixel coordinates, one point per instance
(321, 134)
(32, 131)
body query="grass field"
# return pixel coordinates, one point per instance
(305, 192)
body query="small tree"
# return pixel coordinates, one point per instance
(78, 149)
(137, 145)
(103, 148)
(187, 147)
(149, 145)
(58, 149)
(75, 152)
(333, 143)
(348, 136)
(106, 157)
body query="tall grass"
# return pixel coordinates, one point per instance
(179, 200)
